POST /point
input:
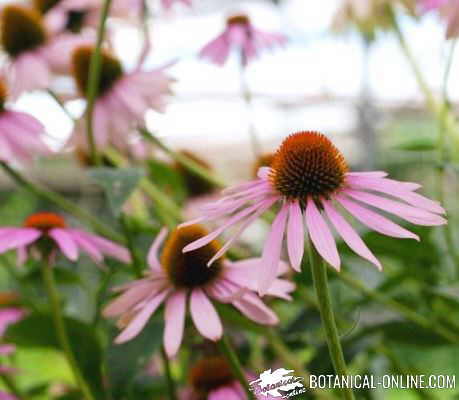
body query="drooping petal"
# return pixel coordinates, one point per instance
(349, 235)
(141, 318)
(409, 213)
(271, 251)
(88, 247)
(205, 316)
(175, 322)
(17, 237)
(295, 236)
(321, 236)
(253, 308)
(375, 221)
(65, 243)
(152, 257)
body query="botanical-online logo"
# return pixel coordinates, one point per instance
(279, 383)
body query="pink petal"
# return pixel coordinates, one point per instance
(321, 235)
(224, 393)
(295, 235)
(271, 252)
(253, 308)
(88, 247)
(204, 316)
(18, 237)
(349, 235)
(141, 319)
(152, 257)
(65, 242)
(375, 221)
(175, 321)
(409, 213)
(141, 290)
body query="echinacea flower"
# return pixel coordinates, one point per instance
(49, 228)
(177, 276)
(449, 10)
(20, 133)
(32, 54)
(211, 378)
(122, 98)
(240, 34)
(309, 178)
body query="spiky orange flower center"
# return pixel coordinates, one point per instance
(22, 30)
(44, 221)
(307, 164)
(111, 69)
(240, 19)
(190, 269)
(209, 374)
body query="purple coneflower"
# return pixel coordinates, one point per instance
(211, 378)
(20, 133)
(309, 179)
(122, 100)
(242, 35)
(178, 276)
(33, 54)
(52, 228)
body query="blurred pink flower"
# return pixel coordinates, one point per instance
(69, 241)
(20, 133)
(242, 35)
(9, 316)
(211, 378)
(307, 176)
(123, 98)
(180, 275)
(7, 396)
(169, 3)
(32, 54)
(449, 10)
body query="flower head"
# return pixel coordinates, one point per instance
(50, 231)
(33, 54)
(310, 180)
(122, 98)
(211, 378)
(176, 276)
(243, 36)
(20, 133)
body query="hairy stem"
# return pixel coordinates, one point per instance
(61, 331)
(320, 278)
(93, 82)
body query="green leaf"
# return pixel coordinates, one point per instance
(124, 361)
(118, 184)
(236, 319)
(168, 179)
(37, 331)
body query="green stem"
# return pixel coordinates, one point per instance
(61, 332)
(170, 381)
(247, 96)
(227, 350)
(319, 275)
(60, 104)
(136, 260)
(188, 163)
(61, 202)
(10, 384)
(93, 82)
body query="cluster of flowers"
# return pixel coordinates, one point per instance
(307, 183)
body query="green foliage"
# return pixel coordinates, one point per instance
(118, 184)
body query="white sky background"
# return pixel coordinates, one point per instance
(207, 109)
